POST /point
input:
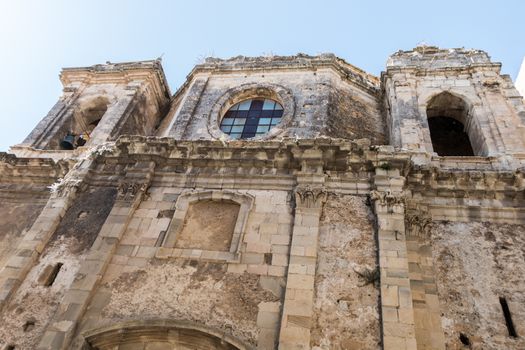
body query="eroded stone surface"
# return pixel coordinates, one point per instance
(201, 292)
(36, 302)
(477, 263)
(208, 225)
(346, 307)
(16, 220)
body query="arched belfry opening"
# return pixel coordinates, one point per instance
(90, 115)
(85, 118)
(447, 120)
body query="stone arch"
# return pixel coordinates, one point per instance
(88, 114)
(160, 334)
(186, 199)
(243, 92)
(79, 123)
(451, 126)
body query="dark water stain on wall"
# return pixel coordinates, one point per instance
(84, 219)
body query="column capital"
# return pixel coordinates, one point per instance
(310, 196)
(127, 190)
(387, 197)
(418, 224)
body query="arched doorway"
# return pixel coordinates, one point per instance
(160, 335)
(447, 117)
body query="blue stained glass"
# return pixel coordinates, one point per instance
(251, 118)
(268, 105)
(227, 121)
(263, 128)
(250, 128)
(266, 114)
(256, 105)
(245, 106)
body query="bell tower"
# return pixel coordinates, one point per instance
(452, 102)
(100, 103)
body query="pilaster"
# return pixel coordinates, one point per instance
(61, 328)
(299, 296)
(427, 314)
(396, 297)
(34, 241)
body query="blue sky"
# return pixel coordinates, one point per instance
(38, 38)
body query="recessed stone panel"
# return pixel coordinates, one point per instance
(208, 225)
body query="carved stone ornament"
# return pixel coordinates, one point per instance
(128, 190)
(418, 224)
(311, 197)
(387, 198)
(7, 158)
(64, 187)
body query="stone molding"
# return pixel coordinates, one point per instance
(123, 73)
(130, 331)
(347, 71)
(256, 90)
(182, 205)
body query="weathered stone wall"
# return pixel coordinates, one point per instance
(142, 119)
(208, 225)
(16, 218)
(353, 114)
(347, 278)
(322, 104)
(309, 91)
(476, 264)
(189, 290)
(36, 301)
(85, 217)
(242, 298)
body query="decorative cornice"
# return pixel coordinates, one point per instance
(64, 189)
(347, 71)
(30, 171)
(467, 183)
(431, 58)
(122, 73)
(287, 154)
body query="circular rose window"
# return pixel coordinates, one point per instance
(251, 118)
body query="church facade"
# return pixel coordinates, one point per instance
(270, 203)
